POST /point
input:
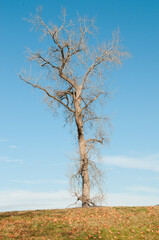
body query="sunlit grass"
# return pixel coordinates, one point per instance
(78, 223)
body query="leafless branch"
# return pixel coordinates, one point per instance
(95, 118)
(92, 100)
(44, 89)
(94, 140)
(41, 60)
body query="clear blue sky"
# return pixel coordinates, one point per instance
(34, 146)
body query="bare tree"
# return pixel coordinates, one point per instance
(74, 74)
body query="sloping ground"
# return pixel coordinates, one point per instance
(92, 223)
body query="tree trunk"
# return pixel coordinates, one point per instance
(84, 171)
(85, 198)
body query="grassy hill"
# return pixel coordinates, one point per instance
(92, 223)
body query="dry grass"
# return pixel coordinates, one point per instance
(92, 223)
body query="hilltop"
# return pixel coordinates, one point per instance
(79, 223)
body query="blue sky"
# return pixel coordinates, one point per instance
(35, 145)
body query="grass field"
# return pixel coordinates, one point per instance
(78, 223)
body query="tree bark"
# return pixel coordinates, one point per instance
(85, 198)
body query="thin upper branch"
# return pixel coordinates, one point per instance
(98, 60)
(38, 56)
(92, 100)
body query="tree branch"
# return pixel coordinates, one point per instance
(43, 89)
(94, 140)
(38, 56)
(92, 100)
(63, 76)
(95, 118)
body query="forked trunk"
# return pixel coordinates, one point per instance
(85, 198)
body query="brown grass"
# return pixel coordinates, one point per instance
(78, 223)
